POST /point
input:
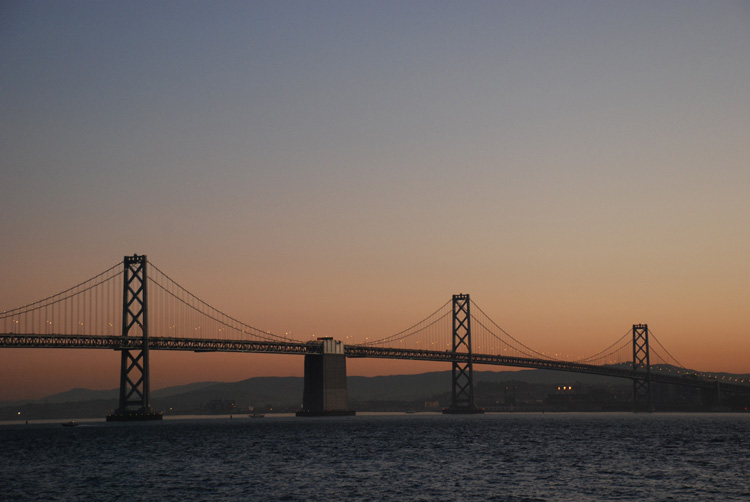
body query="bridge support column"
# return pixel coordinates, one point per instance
(134, 372)
(641, 363)
(325, 392)
(462, 395)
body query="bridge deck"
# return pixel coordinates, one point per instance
(9, 340)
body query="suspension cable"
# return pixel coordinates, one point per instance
(6, 313)
(224, 323)
(210, 307)
(392, 339)
(596, 356)
(679, 364)
(14, 312)
(506, 343)
(506, 333)
(397, 336)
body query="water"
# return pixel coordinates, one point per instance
(503, 457)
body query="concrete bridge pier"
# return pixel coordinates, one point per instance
(325, 393)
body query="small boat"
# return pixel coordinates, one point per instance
(72, 423)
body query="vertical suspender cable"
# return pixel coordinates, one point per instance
(97, 305)
(90, 314)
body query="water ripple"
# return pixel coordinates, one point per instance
(504, 457)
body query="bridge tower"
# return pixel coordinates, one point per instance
(462, 395)
(134, 373)
(641, 361)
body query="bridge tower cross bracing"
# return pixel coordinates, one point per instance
(135, 384)
(642, 365)
(462, 394)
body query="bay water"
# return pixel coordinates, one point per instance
(429, 457)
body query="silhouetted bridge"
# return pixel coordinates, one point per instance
(79, 317)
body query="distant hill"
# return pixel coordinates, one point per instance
(280, 393)
(268, 392)
(79, 394)
(289, 389)
(285, 393)
(425, 385)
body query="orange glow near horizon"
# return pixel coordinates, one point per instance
(36, 373)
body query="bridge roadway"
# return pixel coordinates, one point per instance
(52, 341)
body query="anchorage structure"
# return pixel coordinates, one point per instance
(134, 373)
(462, 395)
(325, 392)
(641, 361)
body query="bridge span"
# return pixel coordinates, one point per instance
(53, 341)
(131, 311)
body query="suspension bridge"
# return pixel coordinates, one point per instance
(133, 307)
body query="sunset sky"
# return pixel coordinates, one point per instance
(342, 168)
